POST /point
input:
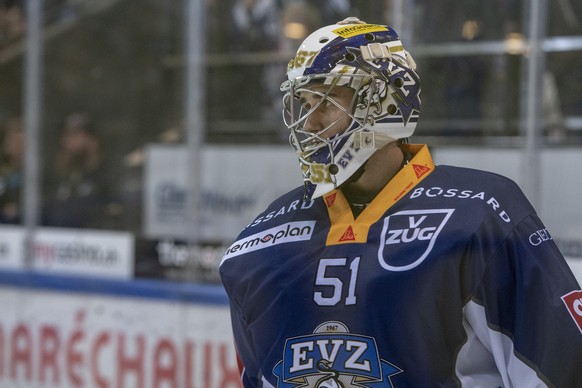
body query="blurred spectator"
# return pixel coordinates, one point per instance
(299, 19)
(247, 26)
(11, 158)
(81, 185)
(255, 28)
(335, 10)
(255, 24)
(12, 23)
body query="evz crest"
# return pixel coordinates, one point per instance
(332, 357)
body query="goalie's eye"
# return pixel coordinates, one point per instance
(317, 102)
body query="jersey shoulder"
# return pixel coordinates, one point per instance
(284, 208)
(478, 178)
(476, 191)
(481, 180)
(289, 218)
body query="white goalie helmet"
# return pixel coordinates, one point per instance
(370, 59)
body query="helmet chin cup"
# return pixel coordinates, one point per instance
(371, 60)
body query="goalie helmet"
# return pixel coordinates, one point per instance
(369, 59)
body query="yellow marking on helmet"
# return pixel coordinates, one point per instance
(358, 29)
(302, 58)
(344, 70)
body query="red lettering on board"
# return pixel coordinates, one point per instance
(49, 348)
(166, 375)
(126, 364)
(20, 352)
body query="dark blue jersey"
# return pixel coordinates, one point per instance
(448, 278)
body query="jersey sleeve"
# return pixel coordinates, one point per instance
(518, 315)
(248, 366)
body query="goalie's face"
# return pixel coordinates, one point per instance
(329, 109)
(321, 120)
(317, 114)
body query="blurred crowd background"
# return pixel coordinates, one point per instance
(113, 81)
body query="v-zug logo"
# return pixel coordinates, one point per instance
(286, 233)
(332, 357)
(418, 229)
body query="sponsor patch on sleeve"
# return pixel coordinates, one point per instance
(285, 233)
(573, 302)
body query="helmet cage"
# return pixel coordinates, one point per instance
(295, 114)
